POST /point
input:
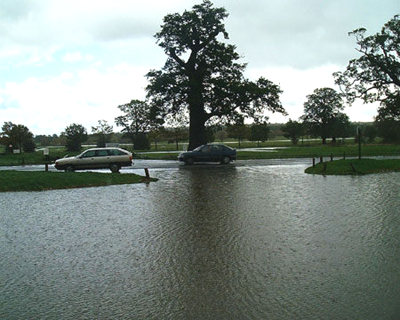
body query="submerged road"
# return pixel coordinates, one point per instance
(170, 164)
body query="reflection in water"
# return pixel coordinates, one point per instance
(205, 242)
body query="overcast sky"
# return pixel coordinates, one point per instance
(75, 61)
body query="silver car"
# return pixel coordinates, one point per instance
(97, 158)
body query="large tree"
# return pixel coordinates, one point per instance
(17, 136)
(375, 75)
(293, 130)
(388, 119)
(103, 132)
(203, 77)
(75, 135)
(259, 132)
(137, 120)
(322, 113)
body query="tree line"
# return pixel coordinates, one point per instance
(202, 86)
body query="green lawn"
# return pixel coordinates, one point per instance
(355, 167)
(310, 150)
(39, 181)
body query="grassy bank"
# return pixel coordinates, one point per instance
(355, 167)
(39, 181)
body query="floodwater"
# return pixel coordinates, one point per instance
(205, 242)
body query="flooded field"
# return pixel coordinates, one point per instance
(205, 242)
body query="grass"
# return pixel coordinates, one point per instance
(355, 167)
(310, 149)
(40, 181)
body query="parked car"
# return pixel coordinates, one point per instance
(97, 158)
(209, 153)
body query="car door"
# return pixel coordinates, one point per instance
(204, 155)
(86, 160)
(215, 153)
(102, 159)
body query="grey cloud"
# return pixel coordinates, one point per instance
(302, 34)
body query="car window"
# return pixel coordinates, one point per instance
(88, 154)
(215, 148)
(101, 153)
(116, 152)
(205, 149)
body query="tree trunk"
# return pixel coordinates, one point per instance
(197, 129)
(197, 115)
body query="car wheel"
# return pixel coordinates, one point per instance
(189, 161)
(114, 168)
(225, 160)
(69, 169)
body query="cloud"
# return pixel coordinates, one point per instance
(298, 83)
(48, 105)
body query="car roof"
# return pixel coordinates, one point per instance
(105, 148)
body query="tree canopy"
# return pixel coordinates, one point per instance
(293, 130)
(75, 134)
(103, 131)
(137, 120)
(202, 76)
(375, 75)
(17, 136)
(322, 113)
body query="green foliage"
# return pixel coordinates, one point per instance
(259, 132)
(355, 167)
(209, 84)
(293, 130)
(40, 181)
(137, 120)
(103, 132)
(238, 131)
(388, 119)
(322, 114)
(17, 136)
(375, 75)
(141, 142)
(370, 133)
(75, 135)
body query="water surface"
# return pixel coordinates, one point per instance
(205, 242)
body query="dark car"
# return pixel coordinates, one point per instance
(209, 153)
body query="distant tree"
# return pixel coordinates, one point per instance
(375, 75)
(75, 135)
(340, 127)
(137, 120)
(388, 119)
(238, 131)
(259, 132)
(370, 133)
(221, 135)
(202, 75)
(156, 135)
(293, 130)
(103, 132)
(17, 136)
(178, 134)
(320, 111)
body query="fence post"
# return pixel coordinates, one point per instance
(313, 162)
